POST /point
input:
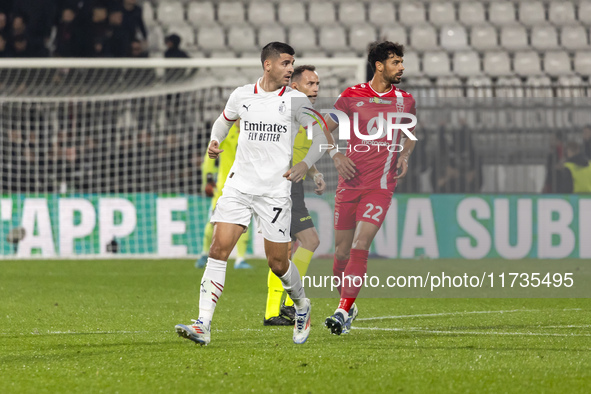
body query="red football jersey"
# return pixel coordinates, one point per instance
(375, 160)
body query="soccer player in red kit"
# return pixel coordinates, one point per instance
(368, 172)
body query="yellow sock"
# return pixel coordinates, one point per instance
(242, 245)
(301, 259)
(207, 235)
(274, 294)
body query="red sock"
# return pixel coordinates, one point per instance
(338, 268)
(357, 267)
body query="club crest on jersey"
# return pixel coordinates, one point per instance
(377, 100)
(282, 108)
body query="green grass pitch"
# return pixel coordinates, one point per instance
(108, 326)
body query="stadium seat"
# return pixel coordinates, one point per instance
(479, 87)
(394, 33)
(210, 38)
(155, 38)
(585, 12)
(527, 63)
(449, 87)
(574, 37)
(185, 32)
(261, 13)
(412, 65)
(271, 33)
(241, 38)
(466, 64)
(557, 63)
(302, 37)
(352, 13)
(497, 64)
(514, 37)
(570, 86)
(442, 13)
(471, 13)
(221, 54)
(509, 87)
(423, 37)
(382, 13)
(200, 12)
(360, 36)
(501, 13)
(532, 13)
(453, 37)
(544, 37)
(411, 13)
(436, 64)
(561, 13)
(483, 37)
(332, 38)
(148, 14)
(321, 13)
(583, 62)
(538, 87)
(292, 13)
(231, 13)
(170, 12)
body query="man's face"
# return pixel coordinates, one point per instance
(2, 20)
(587, 133)
(20, 46)
(68, 15)
(2, 43)
(136, 49)
(280, 68)
(18, 23)
(393, 69)
(308, 83)
(116, 18)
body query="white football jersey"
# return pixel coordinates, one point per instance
(268, 126)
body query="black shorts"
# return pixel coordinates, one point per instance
(300, 217)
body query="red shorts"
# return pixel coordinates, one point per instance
(359, 205)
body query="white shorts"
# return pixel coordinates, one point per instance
(272, 214)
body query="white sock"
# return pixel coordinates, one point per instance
(212, 285)
(293, 286)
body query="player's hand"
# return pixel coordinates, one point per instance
(344, 165)
(297, 172)
(320, 184)
(401, 166)
(213, 151)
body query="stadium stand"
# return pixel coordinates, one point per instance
(474, 49)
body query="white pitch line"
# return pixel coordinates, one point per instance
(541, 334)
(462, 313)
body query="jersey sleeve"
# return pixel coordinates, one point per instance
(230, 112)
(342, 103)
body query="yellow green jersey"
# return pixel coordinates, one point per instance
(301, 146)
(226, 160)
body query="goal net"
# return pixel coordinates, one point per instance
(103, 156)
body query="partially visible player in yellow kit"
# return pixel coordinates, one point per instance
(305, 79)
(208, 170)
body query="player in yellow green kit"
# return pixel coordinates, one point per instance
(209, 169)
(305, 79)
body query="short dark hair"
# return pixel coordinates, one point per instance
(381, 51)
(275, 49)
(297, 73)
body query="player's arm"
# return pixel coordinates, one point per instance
(219, 132)
(344, 165)
(313, 173)
(297, 172)
(407, 148)
(222, 125)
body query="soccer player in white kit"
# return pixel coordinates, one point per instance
(259, 185)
